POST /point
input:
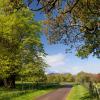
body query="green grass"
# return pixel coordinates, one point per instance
(26, 93)
(21, 95)
(79, 92)
(98, 85)
(32, 95)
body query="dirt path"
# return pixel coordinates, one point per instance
(59, 94)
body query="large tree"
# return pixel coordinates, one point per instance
(76, 23)
(20, 44)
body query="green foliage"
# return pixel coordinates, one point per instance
(20, 44)
(58, 78)
(83, 77)
(69, 77)
(76, 23)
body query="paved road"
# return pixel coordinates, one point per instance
(59, 94)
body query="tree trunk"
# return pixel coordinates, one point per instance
(10, 82)
(1, 82)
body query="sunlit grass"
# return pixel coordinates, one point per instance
(28, 93)
(78, 92)
(21, 95)
(32, 95)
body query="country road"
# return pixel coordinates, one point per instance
(59, 94)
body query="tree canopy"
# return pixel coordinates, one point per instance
(20, 44)
(75, 23)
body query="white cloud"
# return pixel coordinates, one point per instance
(75, 68)
(55, 60)
(60, 63)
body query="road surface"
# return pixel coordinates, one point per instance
(59, 94)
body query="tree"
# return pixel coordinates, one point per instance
(75, 23)
(58, 78)
(69, 77)
(20, 44)
(98, 77)
(95, 77)
(82, 77)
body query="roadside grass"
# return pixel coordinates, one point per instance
(32, 95)
(79, 92)
(21, 95)
(28, 92)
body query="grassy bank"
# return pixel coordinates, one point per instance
(78, 92)
(32, 95)
(21, 95)
(28, 92)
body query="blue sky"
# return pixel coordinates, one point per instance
(61, 62)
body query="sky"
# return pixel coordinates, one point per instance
(61, 62)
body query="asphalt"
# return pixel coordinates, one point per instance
(59, 94)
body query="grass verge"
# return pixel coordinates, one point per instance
(22, 95)
(78, 92)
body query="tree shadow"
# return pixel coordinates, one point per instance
(28, 86)
(55, 86)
